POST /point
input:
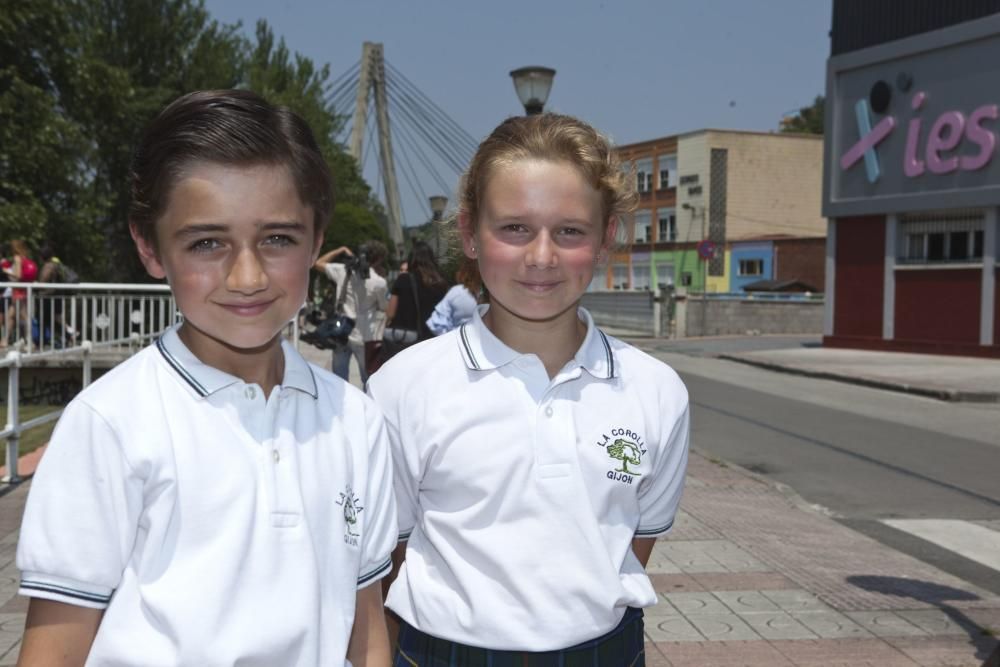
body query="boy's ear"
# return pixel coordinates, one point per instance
(147, 254)
(468, 234)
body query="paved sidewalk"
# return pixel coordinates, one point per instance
(749, 576)
(944, 377)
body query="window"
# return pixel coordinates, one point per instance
(668, 171)
(644, 175)
(664, 275)
(643, 227)
(930, 238)
(619, 274)
(686, 279)
(751, 267)
(668, 225)
(640, 276)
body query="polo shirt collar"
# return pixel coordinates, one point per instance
(206, 380)
(481, 350)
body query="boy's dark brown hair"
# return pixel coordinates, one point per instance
(226, 127)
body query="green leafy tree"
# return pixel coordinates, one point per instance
(80, 80)
(627, 452)
(808, 120)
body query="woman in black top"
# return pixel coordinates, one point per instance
(421, 269)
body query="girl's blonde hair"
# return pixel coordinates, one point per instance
(556, 138)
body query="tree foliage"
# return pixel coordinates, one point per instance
(80, 79)
(808, 120)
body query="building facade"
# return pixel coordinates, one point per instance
(720, 209)
(911, 182)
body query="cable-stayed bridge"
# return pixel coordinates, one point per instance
(403, 131)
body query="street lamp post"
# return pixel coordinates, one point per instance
(438, 205)
(533, 85)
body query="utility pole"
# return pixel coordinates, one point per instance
(372, 76)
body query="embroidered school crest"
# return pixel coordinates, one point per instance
(352, 507)
(626, 447)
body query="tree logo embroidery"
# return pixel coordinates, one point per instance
(352, 506)
(627, 448)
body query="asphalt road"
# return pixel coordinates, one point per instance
(863, 455)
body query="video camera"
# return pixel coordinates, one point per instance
(358, 264)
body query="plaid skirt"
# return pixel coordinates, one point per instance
(622, 647)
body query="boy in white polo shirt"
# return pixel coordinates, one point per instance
(536, 459)
(216, 500)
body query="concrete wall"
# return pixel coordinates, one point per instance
(728, 317)
(775, 183)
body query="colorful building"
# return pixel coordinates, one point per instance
(912, 178)
(729, 194)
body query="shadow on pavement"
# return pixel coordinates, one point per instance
(938, 595)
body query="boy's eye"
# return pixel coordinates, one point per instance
(205, 245)
(572, 231)
(279, 240)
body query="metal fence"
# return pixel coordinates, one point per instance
(43, 323)
(44, 317)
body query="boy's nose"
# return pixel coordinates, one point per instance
(247, 274)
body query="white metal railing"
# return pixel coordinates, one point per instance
(59, 321)
(55, 316)
(15, 360)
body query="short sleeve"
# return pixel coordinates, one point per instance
(338, 274)
(405, 462)
(661, 495)
(442, 320)
(379, 537)
(82, 513)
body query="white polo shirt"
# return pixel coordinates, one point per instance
(215, 525)
(522, 493)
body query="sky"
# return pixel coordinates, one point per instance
(635, 69)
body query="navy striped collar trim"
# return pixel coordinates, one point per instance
(481, 350)
(205, 380)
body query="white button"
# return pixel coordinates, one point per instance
(275, 455)
(251, 393)
(548, 411)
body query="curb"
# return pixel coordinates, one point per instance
(790, 494)
(950, 395)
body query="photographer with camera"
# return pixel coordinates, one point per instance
(361, 297)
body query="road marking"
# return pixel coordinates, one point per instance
(967, 539)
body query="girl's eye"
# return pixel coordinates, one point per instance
(572, 231)
(205, 245)
(515, 228)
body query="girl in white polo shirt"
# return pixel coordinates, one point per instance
(536, 459)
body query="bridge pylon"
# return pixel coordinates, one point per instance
(372, 78)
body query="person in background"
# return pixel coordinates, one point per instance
(423, 276)
(364, 300)
(459, 304)
(22, 269)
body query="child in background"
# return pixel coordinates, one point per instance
(459, 302)
(215, 500)
(536, 458)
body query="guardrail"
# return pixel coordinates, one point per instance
(73, 321)
(55, 316)
(14, 361)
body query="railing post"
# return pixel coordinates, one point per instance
(30, 305)
(88, 347)
(13, 418)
